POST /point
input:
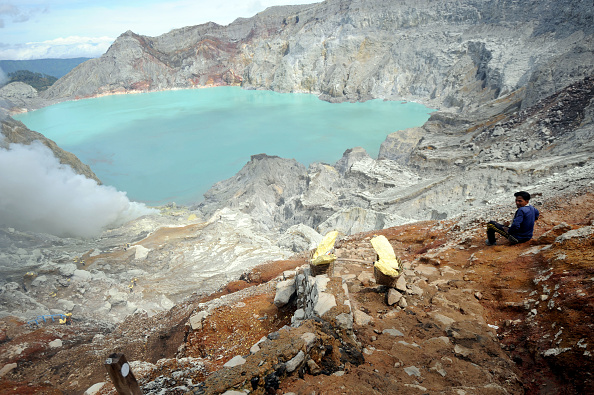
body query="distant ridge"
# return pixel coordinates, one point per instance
(457, 55)
(54, 67)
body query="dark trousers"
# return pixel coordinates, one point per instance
(494, 227)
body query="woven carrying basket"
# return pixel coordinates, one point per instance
(316, 270)
(382, 279)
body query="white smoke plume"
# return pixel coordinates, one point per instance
(40, 194)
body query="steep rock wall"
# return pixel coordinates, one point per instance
(450, 54)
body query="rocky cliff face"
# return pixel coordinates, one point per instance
(448, 54)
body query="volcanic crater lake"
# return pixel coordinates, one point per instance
(172, 146)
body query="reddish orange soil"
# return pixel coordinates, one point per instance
(540, 300)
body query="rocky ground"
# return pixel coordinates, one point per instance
(469, 319)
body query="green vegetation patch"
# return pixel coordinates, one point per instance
(36, 80)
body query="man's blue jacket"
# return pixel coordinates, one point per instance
(523, 223)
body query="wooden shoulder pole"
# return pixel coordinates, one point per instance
(121, 375)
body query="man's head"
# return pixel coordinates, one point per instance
(522, 198)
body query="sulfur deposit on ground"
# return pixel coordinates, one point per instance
(467, 319)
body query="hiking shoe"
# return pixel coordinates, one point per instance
(489, 243)
(513, 240)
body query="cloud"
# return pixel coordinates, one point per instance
(42, 20)
(39, 194)
(18, 15)
(61, 48)
(8, 9)
(21, 18)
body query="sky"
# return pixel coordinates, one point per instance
(39, 29)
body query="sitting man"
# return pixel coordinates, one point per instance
(522, 226)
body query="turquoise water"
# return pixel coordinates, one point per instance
(174, 145)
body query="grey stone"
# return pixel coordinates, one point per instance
(300, 238)
(235, 361)
(344, 321)
(325, 302)
(66, 305)
(82, 275)
(438, 367)
(39, 281)
(67, 269)
(117, 298)
(284, 292)
(414, 290)
(313, 367)
(582, 232)
(18, 93)
(445, 321)
(321, 281)
(299, 314)
(197, 319)
(365, 277)
(393, 332)
(401, 284)
(361, 318)
(64, 282)
(309, 339)
(255, 348)
(402, 303)
(95, 388)
(12, 286)
(141, 252)
(368, 350)
(7, 368)
(461, 350)
(348, 277)
(289, 274)
(413, 371)
(295, 362)
(55, 343)
(166, 303)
